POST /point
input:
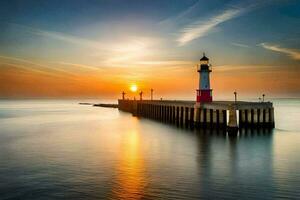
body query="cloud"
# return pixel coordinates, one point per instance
(20, 60)
(61, 36)
(22, 67)
(240, 45)
(32, 66)
(114, 53)
(166, 63)
(247, 68)
(181, 15)
(293, 53)
(83, 66)
(126, 45)
(201, 27)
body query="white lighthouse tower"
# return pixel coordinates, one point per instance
(204, 93)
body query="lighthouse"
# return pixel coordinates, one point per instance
(204, 93)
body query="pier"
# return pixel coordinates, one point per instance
(204, 112)
(216, 114)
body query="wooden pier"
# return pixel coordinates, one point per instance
(218, 114)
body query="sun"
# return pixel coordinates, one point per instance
(133, 88)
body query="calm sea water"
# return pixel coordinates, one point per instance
(51, 149)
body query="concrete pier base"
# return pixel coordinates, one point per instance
(232, 125)
(204, 115)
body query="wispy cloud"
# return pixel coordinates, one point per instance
(20, 60)
(33, 66)
(114, 52)
(247, 68)
(61, 36)
(166, 63)
(181, 15)
(293, 53)
(240, 45)
(201, 27)
(126, 45)
(83, 66)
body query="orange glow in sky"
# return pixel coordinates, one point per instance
(49, 55)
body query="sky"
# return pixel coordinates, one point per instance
(99, 48)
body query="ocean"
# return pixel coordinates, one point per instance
(58, 149)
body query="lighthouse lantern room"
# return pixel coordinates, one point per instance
(204, 93)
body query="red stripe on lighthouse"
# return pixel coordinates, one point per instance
(204, 96)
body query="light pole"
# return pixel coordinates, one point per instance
(235, 96)
(141, 95)
(151, 94)
(263, 97)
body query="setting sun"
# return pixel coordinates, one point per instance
(133, 88)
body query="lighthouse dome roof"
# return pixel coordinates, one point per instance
(204, 58)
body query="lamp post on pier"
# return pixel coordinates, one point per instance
(151, 94)
(235, 96)
(141, 95)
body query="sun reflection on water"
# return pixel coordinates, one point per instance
(130, 178)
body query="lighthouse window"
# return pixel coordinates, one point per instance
(204, 62)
